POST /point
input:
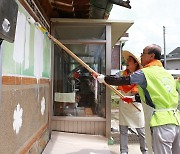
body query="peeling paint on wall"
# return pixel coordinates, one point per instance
(18, 54)
(38, 53)
(43, 105)
(17, 123)
(24, 103)
(30, 54)
(27, 43)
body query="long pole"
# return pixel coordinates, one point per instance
(86, 66)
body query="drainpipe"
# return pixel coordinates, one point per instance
(122, 3)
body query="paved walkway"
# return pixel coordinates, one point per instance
(133, 148)
(71, 143)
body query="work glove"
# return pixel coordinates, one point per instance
(95, 75)
(128, 99)
(100, 78)
(76, 75)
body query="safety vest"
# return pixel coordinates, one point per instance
(161, 88)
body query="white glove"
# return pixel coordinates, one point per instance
(100, 78)
(133, 98)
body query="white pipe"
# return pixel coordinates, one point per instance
(31, 20)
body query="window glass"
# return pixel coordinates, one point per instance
(83, 96)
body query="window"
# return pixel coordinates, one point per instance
(75, 80)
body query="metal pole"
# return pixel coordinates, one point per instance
(120, 53)
(164, 32)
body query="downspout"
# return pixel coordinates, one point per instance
(121, 3)
(100, 9)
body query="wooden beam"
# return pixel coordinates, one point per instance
(66, 8)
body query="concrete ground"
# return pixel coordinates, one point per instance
(71, 143)
(133, 148)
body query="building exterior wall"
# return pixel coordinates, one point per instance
(88, 125)
(25, 97)
(173, 64)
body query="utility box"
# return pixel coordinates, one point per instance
(8, 19)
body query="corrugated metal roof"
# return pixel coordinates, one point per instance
(86, 9)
